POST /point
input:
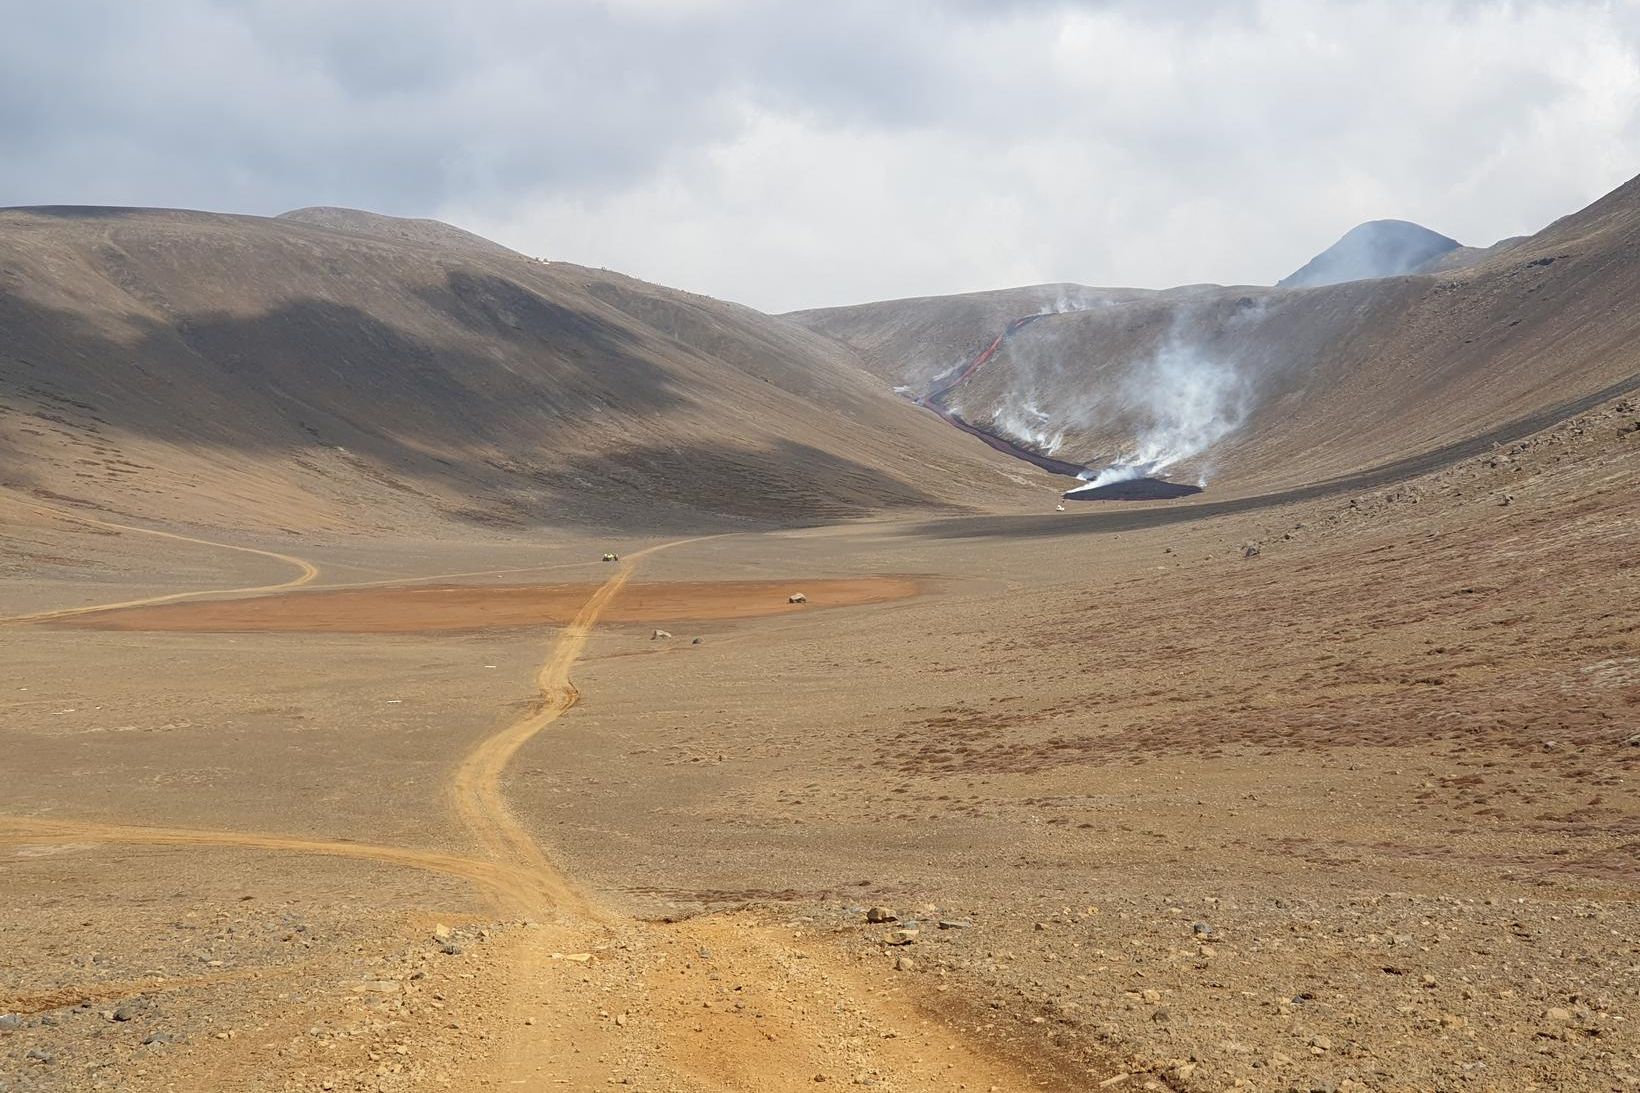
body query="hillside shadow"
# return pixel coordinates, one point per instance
(703, 487)
(502, 413)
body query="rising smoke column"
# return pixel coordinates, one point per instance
(1173, 403)
(1190, 399)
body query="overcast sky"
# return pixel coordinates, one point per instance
(796, 154)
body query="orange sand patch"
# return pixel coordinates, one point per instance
(404, 609)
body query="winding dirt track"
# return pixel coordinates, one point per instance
(306, 570)
(781, 1053)
(475, 792)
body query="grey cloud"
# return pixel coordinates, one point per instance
(791, 153)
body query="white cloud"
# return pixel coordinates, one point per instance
(789, 154)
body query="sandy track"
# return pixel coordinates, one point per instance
(491, 876)
(537, 984)
(475, 794)
(306, 570)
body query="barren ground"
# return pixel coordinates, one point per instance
(1354, 812)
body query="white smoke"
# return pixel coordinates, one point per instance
(1026, 422)
(1069, 298)
(1190, 402)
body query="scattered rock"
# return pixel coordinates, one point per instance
(1249, 550)
(451, 948)
(659, 634)
(955, 923)
(1162, 1016)
(797, 597)
(881, 914)
(126, 1011)
(696, 641)
(902, 937)
(10, 1021)
(39, 1056)
(1557, 1015)
(442, 932)
(1201, 929)
(904, 964)
(156, 1038)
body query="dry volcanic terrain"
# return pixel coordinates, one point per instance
(425, 667)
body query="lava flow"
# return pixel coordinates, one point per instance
(935, 401)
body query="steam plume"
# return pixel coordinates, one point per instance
(1189, 400)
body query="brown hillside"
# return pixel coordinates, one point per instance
(372, 373)
(1330, 380)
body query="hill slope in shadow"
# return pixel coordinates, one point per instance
(341, 370)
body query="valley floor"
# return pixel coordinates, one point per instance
(1354, 809)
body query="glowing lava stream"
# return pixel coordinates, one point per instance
(935, 401)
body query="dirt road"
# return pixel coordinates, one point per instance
(307, 572)
(555, 981)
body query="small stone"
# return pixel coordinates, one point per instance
(37, 1055)
(696, 641)
(1557, 1015)
(797, 597)
(1321, 1043)
(620, 1019)
(904, 964)
(451, 948)
(442, 932)
(10, 1021)
(881, 914)
(955, 923)
(1250, 550)
(156, 1037)
(660, 635)
(1162, 1016)
(125, 1012)
(903, 937)
(1151, 996)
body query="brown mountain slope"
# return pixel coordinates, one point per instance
(401, 229)
(253, 372)
(1290, 386)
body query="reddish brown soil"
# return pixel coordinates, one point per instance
(414, 609)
